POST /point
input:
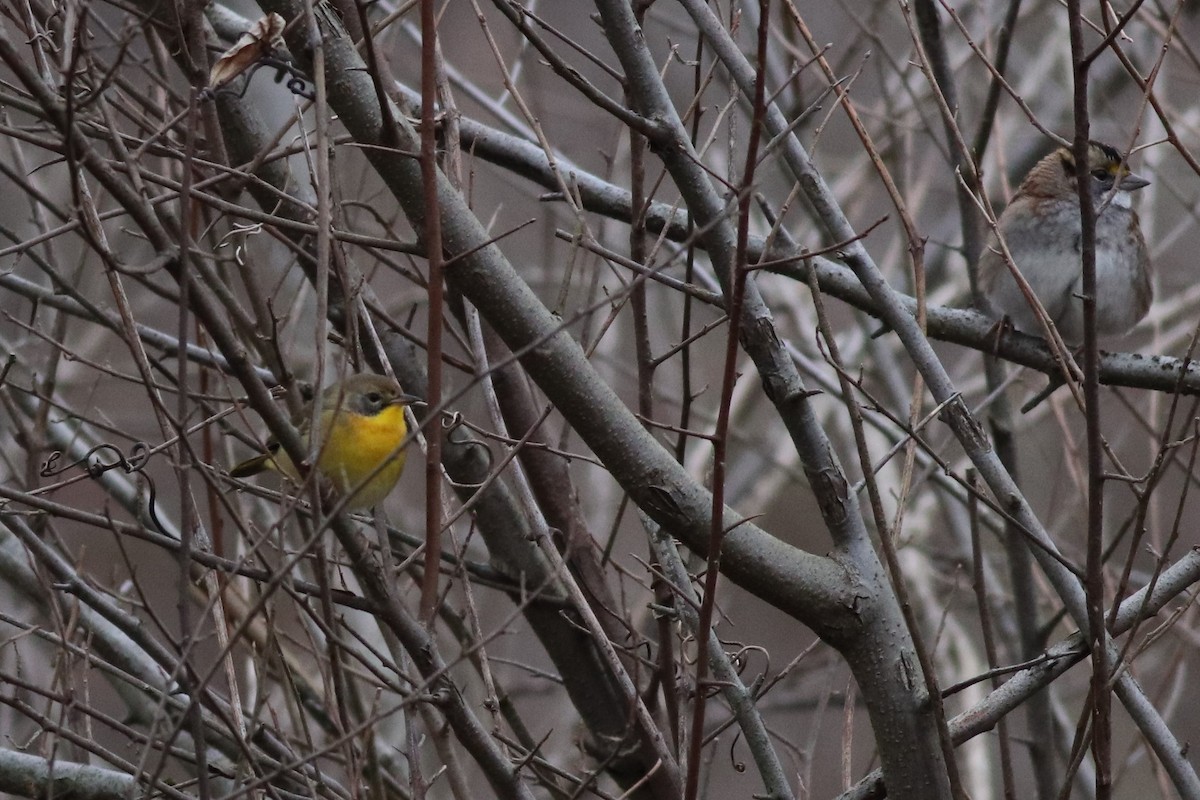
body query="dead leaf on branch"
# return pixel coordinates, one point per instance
(253, 46)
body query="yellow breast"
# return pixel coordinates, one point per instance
(361, 455)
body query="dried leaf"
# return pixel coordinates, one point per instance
(253, 45)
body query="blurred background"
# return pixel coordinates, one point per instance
(323, 690)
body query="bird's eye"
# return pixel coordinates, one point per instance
(374, 398)
(1101, 174)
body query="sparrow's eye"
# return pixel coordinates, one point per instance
(1102, 174)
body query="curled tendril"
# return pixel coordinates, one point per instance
(299, 87)
(741, 661)
(453, 422)
(738, 765)
(139, 455)
(297, 83)
(93, 462)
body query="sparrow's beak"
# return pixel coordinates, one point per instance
(1132, 182)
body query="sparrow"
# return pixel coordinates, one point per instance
(1041, 228)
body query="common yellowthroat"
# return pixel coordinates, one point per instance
(360, 428)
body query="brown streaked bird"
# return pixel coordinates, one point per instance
(1042, 230)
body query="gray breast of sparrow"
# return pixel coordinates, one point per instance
(1041, 228)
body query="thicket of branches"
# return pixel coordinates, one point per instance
(814, 552)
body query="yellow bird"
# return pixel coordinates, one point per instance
(360, 428)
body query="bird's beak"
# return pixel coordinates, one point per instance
(1132, 182)
(407, 400)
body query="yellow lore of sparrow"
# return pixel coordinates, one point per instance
(361, 426)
